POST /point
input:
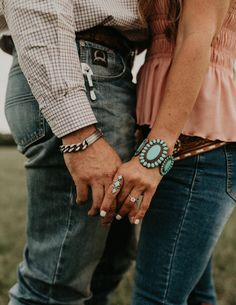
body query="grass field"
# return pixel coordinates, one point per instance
(12, 227)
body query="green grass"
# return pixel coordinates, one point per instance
(12, 217)
(12, 228)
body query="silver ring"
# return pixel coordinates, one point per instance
(132, 199)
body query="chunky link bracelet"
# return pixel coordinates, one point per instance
(153, 154)
(83, 145)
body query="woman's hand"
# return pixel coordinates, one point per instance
(137, 180)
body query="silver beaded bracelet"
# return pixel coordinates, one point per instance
(83, 145)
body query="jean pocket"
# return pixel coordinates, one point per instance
(25, 120)
(105, 63)
(230, 151)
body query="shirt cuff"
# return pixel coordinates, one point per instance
(70, 114)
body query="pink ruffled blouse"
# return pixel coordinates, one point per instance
(214, 113)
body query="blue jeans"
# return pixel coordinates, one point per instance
(204, 291)
(179, 232)
(68, 254)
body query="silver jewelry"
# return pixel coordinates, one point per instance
(83, 145)
(117, 184)
(132, 199)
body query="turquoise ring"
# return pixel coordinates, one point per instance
(116, 184)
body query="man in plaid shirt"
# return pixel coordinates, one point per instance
(76, 60)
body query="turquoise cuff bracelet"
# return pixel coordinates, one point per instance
(155, 154)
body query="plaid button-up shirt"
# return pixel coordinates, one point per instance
(44, 34)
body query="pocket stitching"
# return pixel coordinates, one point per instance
(229, 185)
(36, 135)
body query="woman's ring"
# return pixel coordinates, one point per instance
(132, 199)
(117, 184)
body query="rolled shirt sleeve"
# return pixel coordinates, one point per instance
(44, 35)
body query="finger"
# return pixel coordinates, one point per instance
(124, 193)
(129, 204)
(133, 212)
(110, 195)
(98, 194)
(82, 192)
(137, 215)
(110, 215)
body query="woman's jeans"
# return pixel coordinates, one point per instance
(204, 291)
(66, 250)
(179, 232)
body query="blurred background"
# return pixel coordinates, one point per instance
(13, 211)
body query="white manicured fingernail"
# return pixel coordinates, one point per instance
(103, 213)
(137, 221)
(118, 217)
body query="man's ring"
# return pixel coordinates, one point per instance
(117, 184)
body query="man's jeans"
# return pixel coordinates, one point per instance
(64, 246)
(179, 232)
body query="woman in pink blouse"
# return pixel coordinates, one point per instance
(183, 175)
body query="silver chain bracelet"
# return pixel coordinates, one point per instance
(82, 145)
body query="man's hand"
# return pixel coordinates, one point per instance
(94, 167)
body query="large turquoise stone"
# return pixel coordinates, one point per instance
(153, 152)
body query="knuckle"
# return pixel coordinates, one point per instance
(142, 213)
(152, 187)
(82, 195)
(129, 205)
(81, 198)
(143, 209)
(82, 180)
(108, 175)
(134, 178)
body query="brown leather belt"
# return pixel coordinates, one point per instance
(111, 38)
(189, 146)
(186, 146)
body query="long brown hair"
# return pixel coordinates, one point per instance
(175, 8)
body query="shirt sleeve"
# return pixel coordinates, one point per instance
(44, 35)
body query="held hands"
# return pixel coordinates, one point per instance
(116, 187)
(93, 168)
(135, 180)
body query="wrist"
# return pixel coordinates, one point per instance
(79, 135)
(82, 145)
(169, 138)
(155, 153)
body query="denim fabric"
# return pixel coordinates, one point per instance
(179, 232)
(64, 246)
(204, 291)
